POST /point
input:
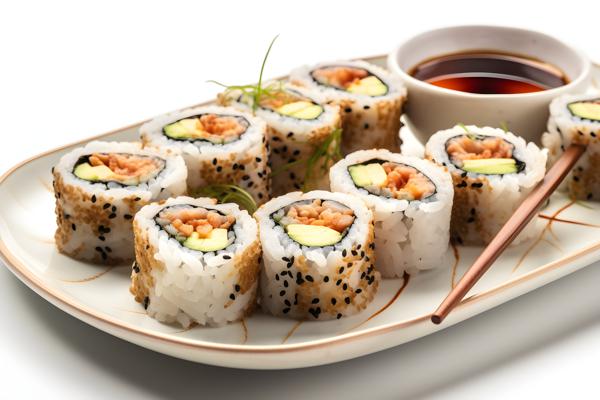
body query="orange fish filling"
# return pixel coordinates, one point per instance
(125, 166)
(339, 77)
(321, 213)
(406, 182)
(200, 220)
(464, 147)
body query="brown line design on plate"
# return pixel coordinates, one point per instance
(455, 266)
(244, 330)
(405, 280)
(46, 185)
(547, 228)
(89, 278)
(569, 221)
(292, 331)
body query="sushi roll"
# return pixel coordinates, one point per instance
(411, 200)
(196, 261)
(493, 171)
(297, 125)
(576, 120)
(220, 145)
(370, 99)
(318, 253)
(99, 188)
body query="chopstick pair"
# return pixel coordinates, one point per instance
(524, 213)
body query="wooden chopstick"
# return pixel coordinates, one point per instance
(526, 211)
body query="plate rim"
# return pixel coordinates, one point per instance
(72, 307)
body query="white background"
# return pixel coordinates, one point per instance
(69, 70)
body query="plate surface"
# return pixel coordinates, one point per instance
(99, 296)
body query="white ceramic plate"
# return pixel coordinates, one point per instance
(99, 296)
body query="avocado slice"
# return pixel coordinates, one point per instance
(491, 166)
(585, 110)
(183, 129)
(371, 86)
(301, 110)
(98, 173)
(367, 175)
(216, 240)
(313, 235)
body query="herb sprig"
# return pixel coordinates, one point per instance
(257, 91)
(225, 193)
(469, 134)
(324, 154)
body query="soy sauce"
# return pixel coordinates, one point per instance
(489, 72)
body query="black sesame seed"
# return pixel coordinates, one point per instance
(347, 300)
(237, 288)
(104, 256)
(463, 175)
(341, 270)
(232, 296)
(276, 139)
(296, 186)
(366, 107)
(366, 126)
(102, 238)
(112, 215)
(287, 303)
(282, 293)
(292, 175)
(315, 300)
(137, 199)
(258, 159)
(348, 109)
(214, 161)
(73, 227)
(283, 273)
(242, 167)
(226, 257)
(285, 283)
(309, 278)
(146, 302)
(357, 291)
(296, 152)
(477, 184)
(345, 286)
(340, 315)
(471, 219)
(290, 134)
(260, 195)
(67, 216)
(362, 254)
(362, 276)
(285, 259)
(113, 208)
(93, 198)
(589, 196)
(127, 216)
(576, 178)
(286, 310)
(354, 253)
(235, 166)
(276, 277)
(339, 282)
(359, 246)
(136, 269)
(106, 205)
(147, 246)
(326, 279)
(472, 211)
(98, 248)
(314, 312)
(344, 253)
(333, 301)
(219, 168)
(593, 134)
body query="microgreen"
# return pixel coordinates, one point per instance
(225, 193)
(504, 126)
(257, 91)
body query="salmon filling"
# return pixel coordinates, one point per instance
(327, 213)
(186, 221)
(472, 147)
(339, 77)
(406, 183)
(127, 169)
(214, 128)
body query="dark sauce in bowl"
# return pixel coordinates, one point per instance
(489, 72)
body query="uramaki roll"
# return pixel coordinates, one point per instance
(297, 125)
(575, 119)
(220, 145)
(370, 99)
(98, 190)
(196, 261)
(493, 171)
(411, 200)
(319, 260)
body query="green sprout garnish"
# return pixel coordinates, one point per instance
(504, 126)
(469, 134)
(255, 92)
(328, 152)
(225, 193)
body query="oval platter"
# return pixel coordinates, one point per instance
(568, 240)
